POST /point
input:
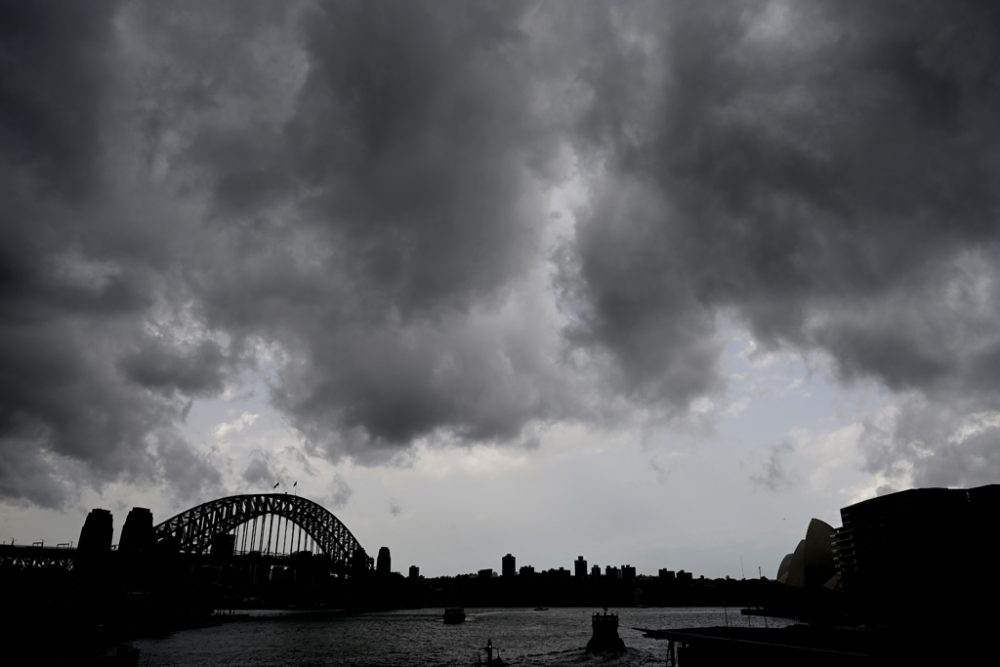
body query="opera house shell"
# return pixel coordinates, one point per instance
(811, 564)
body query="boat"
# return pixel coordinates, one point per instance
(454, 615)
(491, 660)
(605, 637)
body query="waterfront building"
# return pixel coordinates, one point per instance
(595, 572)
(580, 567)
(811, 565)
(903, 554)
(383, 565)
(414, 572)
(508, 566)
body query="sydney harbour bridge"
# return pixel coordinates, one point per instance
(263, 525)
(249, 551)
(269, 524)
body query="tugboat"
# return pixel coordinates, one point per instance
(454, 615)
(491, 661)
(605, 637)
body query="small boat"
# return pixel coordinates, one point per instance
(454, 615)
(491, 660)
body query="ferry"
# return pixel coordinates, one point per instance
(605, 637)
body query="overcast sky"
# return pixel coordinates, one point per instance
(650, 282)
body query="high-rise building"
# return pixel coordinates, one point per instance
(580, 567)
(414, 572)
(595, 572)
(508, 566)
(383, 565)
(628, 572)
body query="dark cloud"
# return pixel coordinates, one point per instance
(953, 443)
(163, 368)
(81, 276)
(191, 474)
(259, 473)
(773, 474)
(339, 495)
(361, 188)
(28, 478)
(54, 79)
(821, 172)
(353, 183)
(406, 175)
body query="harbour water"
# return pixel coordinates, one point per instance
(419, 637)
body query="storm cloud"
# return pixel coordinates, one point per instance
(354, 199)
(822, 173)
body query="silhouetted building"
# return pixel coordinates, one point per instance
(360, 561)
(384, 564)
(526, 571)
(595, 571)
(580, 567)
(414, 572)
(684, 577)
(97, 531)
(612, 572)
(509, 565)
(486, 574)
(668, 576)
(811, 565)
(905, 553)
(137, 533)
(628, 573)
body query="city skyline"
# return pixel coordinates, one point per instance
(655, 283)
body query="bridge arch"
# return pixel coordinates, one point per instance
(193, 530)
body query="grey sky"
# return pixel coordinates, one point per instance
(531, 273)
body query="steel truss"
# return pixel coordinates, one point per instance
(194, 529)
